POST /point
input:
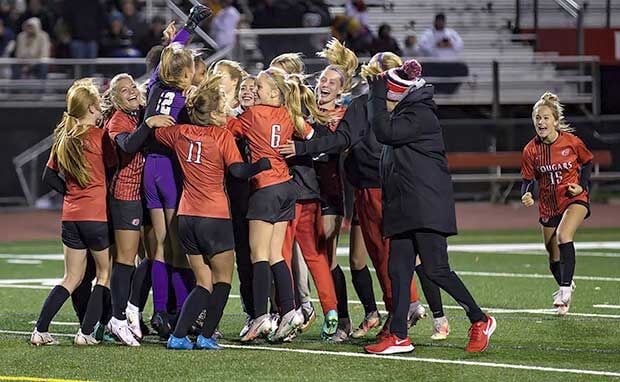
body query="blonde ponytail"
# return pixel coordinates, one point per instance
(68, 146)
(552, 101)
(379, 63)
(341, 60)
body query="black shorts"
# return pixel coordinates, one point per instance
(86, 235)
(205, 236)
(554, 221)
(274, 203)
(126, 214)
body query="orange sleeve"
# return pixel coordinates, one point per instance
(229, 149)
(236, 125)
(119, 123)
(583, 154)
(527, 164)
(167, 135)
(52, 163)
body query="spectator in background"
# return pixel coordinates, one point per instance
(7, 40)
(36, 9)
(224, 23)
(353, 34)
(153, 36)
(411, 47)
(85, 20)
(117, 39)
(7, 13)
(32, 42)
(439, 41)
(385, 42)
(134, 21)
(357, 9)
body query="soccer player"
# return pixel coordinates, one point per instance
(417, 201)
(122, 104)
(206, 151)
(81, 151)
(272, 202)
(561, 165)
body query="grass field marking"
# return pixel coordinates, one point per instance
(431, 360)
(392, 357)
(35, 379)
(61, 323)
(606, 306)
(24, 261)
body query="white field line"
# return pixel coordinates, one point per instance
(393, 357)
(61, 323)
(26, 262)
(606, 306)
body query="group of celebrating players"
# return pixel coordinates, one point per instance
(209, 165)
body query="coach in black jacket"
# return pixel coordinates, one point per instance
(418, 203)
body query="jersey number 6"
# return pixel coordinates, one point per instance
(275, 136)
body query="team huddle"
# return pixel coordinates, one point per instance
(166, 186)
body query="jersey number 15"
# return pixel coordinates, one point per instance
(556, 177)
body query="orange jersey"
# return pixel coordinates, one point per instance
(127, 181)
(554, 166)
(88, 203)
(266, 127)
(204, 153)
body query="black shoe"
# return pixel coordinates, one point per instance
(146, 331)
(160, 324)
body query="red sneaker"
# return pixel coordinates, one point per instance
(390, 344)
(479, 334)
(385, 330)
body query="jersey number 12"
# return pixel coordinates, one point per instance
(190, 154)
(165, 102)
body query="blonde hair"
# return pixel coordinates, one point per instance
(291, 63)
(296, 97)
(379, 63)
(552, 101)
(111, 100)
(68, 146)
(234, 69)
(341, 60)
(208, 97)
(174, 60)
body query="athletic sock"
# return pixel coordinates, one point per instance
(554, 266)
(261, 287)
(341, 292)
(51, 306)
(183, 281)
(120, 282)
(138, 280)
(567, 263)
(284, 286)
(106, 307)
(431, 291)
(80, 297)
(159, 279)
(196, 301)
(95, 307)
(215, 309)
(362, 282)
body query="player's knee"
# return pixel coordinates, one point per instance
(71, 281)
(564, 237)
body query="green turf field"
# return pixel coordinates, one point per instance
(530, 343)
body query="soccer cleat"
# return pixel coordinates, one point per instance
(101, 334)
(562, 299)
(144, 328)
(120, 330)
(82, 339)
(342, 333)
(415, 314)
(42, 338)
(175, 343)
(441, 329)
(204, 343)
(330, 324)
(217, 334)
(372, 320)
(259, 326)
(274, 319)
(161, 325)
(289, 323)
(309, 316)
(390, 344)
(246, 327)
(479, 334)
(133, 320)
